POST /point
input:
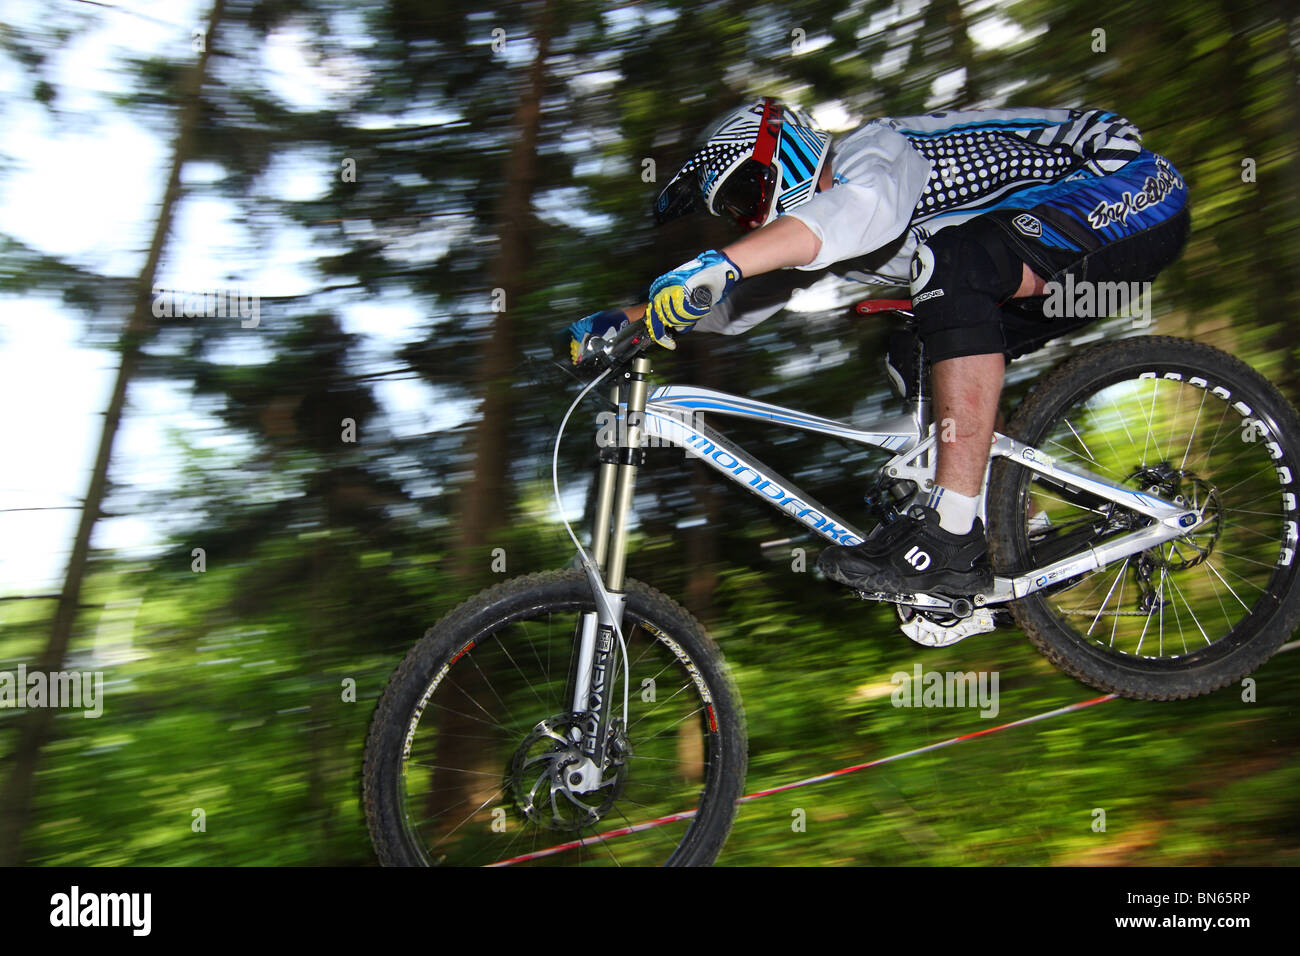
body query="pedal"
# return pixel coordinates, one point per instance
(929, 633)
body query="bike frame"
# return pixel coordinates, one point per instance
(671, 415)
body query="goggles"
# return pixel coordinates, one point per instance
(748, 192)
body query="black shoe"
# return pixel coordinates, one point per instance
(912, 554)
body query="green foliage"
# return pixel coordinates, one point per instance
(326, 560)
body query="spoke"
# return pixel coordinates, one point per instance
(1215, 440)
(478, 720)
(1216, 573)
(1242, 557)
(1123, 421)
(1146, 442)
(1195, 620)
(496, 793)
(651, 644)
(1245, 511)
(1178, 407)
(1272, 493)
(443, 734)
(1071, 504)
(490, 719)
(434, 766)
(1150, 614)
(657, 831)
(1106, 601)
(1262, 468)
(697, 710)
(1119, 602)
(1192, 435)
(1245, 580)
(1249, 530)
(511, 658)
(532, 647)
(659, 704)
(1098, 577)
(469, 655)
(1086, 450)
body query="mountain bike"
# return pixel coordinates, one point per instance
(1141, 512)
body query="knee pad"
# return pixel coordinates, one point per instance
(960, 275)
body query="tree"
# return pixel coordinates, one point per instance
(15, 804)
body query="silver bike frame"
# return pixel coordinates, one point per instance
(672, 416)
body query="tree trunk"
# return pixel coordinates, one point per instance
(483, 498)
(15, 801)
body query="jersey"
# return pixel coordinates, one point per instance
(900, 180)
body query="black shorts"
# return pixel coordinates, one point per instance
(1096, 232)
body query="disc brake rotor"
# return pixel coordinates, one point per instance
(1188, 550)
(545, 770)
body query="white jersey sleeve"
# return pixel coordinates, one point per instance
(878, 179)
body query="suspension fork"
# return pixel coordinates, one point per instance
(597, 642)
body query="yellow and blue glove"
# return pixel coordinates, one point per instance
(680, 298)
(599, 324)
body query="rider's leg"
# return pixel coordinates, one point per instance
(966, 391)
(960, 277)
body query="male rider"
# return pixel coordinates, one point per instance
(971, 209)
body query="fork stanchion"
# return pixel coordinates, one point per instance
(627, 476)
(604, 498)
(625, 484)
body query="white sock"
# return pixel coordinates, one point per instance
(956, 511)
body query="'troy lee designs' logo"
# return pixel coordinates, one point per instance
(1155, 190)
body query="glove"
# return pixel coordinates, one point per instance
(680, 298)
(599, 324)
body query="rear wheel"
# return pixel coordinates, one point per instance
(1187, 422)
(471, 749)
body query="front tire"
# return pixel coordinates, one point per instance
(460, 718)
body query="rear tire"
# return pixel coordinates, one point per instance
(1209, 426)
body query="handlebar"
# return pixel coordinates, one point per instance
(630, 340)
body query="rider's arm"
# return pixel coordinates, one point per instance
(879, 178)
(781, 243)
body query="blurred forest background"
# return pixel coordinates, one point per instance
(484, 165)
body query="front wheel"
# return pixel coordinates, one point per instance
(1188, 423)
(471, 744)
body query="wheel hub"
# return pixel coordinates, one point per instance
(1190, 491)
